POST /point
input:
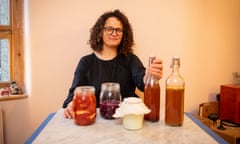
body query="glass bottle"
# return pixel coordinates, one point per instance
(84, 105)
(110, 98)
(152, 95)
(174, 106)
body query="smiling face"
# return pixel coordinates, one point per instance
(112, 33)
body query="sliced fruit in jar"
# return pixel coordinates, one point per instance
(79, 112)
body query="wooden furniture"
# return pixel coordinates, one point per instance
(230, 103)
(207, 108)
(230, 134)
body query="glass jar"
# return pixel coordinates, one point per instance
(110, 98)
(84, 105)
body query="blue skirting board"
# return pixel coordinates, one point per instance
(40, 128)
(206, 129)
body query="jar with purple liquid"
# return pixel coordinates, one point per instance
(110, 98)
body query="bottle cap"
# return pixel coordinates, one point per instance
(152, 55)
(175, 61)
(151, 58)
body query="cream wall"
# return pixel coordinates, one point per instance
(204, 33)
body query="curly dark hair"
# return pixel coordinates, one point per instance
(96, 33)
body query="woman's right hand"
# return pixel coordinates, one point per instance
(68, 111)
(155, 69)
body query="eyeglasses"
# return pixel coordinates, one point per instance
(110, 30)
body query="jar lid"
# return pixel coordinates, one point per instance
(131, 105)
(110, 86)
(84, 89)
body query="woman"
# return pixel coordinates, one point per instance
(112, 60)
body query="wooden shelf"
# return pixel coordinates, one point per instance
(13, 97)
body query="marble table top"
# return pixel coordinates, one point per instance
(64, 131)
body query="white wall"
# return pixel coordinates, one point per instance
(204, 33)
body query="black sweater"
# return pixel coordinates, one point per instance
(127, 70)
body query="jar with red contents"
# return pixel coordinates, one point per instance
(84, 105)
(110, 98)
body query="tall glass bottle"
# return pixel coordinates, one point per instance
(152, 95)
(174, 106)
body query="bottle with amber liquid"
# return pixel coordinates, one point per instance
(152, 95)
(174, 106)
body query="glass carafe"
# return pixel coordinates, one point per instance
(110, 98)
(84, 105)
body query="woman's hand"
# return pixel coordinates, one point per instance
(155, 68)
(68, 111)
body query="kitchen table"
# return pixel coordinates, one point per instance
(58, 130)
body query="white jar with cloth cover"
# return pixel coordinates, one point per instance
(132, 110)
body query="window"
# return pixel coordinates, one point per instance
(11, 42)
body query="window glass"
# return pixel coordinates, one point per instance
(4, 60)
(11, 42)
(5, 41)
(4, 12)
